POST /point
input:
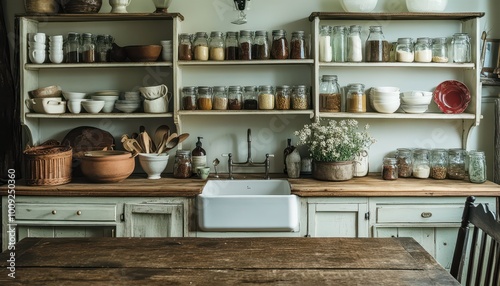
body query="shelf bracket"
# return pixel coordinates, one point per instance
(467, 127)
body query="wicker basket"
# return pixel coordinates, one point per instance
(48, 165)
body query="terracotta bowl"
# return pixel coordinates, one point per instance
(146, 53)
(81, 6)
(49, 91)
(106, 166)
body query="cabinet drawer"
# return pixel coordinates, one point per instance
(66, 212)
(419, 213)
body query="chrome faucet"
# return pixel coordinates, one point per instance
(249, 162)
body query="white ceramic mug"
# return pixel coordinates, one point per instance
(56, 57)
(153, 92)
(75, 106)
(37, 37)
(37, 56)
(56, 39)
(36, 45)
(119, 6)
(159, 105)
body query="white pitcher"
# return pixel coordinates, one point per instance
(119, 6)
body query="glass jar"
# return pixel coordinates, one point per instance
(219, 99)
(216, 46)
(102, 53)
(182, 164)
(88, 48)
(260, 47)
(325, 44)
(354, 45)
(185, 47)
(72, 48)
(423, 50)
(200, 46)
(461, 48)
(405, 162)
(330, 98)
(439, 50)
(377, 49)
(266, 97)
(245, 43)
(390, 169)
(339, 40)
(456, 164)
(421, 164)
(283, 97)
(279, 46)
(477, 167)
(232, 47)
(300, 97)
(204, 98)
(235, 97)
(439, 164)
(298, 46)
(356, 98)
(250, 101)
(404, 50)
(189, 98)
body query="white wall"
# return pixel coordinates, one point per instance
(227, 134)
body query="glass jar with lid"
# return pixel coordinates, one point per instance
(300, 97)
(325, 44)
(404, 50)
(101, 49)
(88, 48)
(266, 97)
(477, 167)
(439, 50)
(330, 98)
(245, 43)
(405, 162)
(339, 41)
(250, 101)
(354, 45)
(423, 50)
(72, 48)
(298, 46)
(235, 96)
(185, 47)
(282, 97)
(356, 98)
(219, 99)
(461, 48)
(204, 98)
(189, 98)
(421, 164)
(200, 46)
(439, 164)
(456, 164)
(377, 49)
(216, 46)
(260, 47)
(182, 164)
(232, 46)
(279, 46)
(390, 169)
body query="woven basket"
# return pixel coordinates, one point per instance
(48, 165)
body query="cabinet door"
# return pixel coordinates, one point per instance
(64, 231)
(154, 220)
(337, 220)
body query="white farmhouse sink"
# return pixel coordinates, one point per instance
(248, 205)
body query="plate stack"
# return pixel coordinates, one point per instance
(166, 52)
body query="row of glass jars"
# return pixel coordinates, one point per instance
(340, 44)
(245, 45)
(427, 50)
(456, 164)
(263, 97)
(87, 48)
(332, 100)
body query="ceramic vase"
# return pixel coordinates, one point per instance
(333, 171)
(119, 6)
(361, 164)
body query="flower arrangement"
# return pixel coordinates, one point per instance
(334, 141)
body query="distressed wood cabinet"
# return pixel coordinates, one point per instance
(154, 220)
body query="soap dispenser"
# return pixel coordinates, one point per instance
(289, 149)
(199, 156)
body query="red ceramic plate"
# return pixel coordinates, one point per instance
(452, 96)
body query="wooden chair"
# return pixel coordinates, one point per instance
(476, 260)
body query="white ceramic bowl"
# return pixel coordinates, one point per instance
(109, 106)
(70, 95)
(414, 100)
(358, 5)
(153, 164)
(132, 95)
(426, 5)
(382, 89)
(107, 93)
(112, 98)
(385, 107)
(93, 106)
(418, 108)
(127, 107)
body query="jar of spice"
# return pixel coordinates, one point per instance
(88, 48)
(200, 45)
(356, 98)
(339, 44)
(250, 101)
(300, 97)
(204, 98)
(354, 45)
(245, 44)
(461, 48)
(232, 46)
(456, 164)
(330, 98)
(404, 50)
(185, 48)
(189, 98)
(477, 167)
(421, 164)
(279, 47)
(260, 47)
(439, 50)
(219, 101)
(423, 51)
(282, 97)
(405, 162)
(389, 169)
(439, 164)
(298, 47)
(235, 97)
(72, 48)
(266, 97)
(216, 46)
(182, 164)
(377, 49)
(102, 52)
(325, 44)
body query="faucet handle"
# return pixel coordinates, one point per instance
(269, 155)
(226, 155)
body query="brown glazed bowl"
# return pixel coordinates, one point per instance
(146, 53)
(41, 6)
(106, 166)
(81, 6)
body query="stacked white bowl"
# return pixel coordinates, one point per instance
(56, 54)
(109, 97)
(37, 47)
(166, 51)
(385, 99)
(74, 100)
(415, 101)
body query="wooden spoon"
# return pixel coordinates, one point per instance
(132, 145)
(160, 134)
(171, 142)
(183, 137)
(161, 147)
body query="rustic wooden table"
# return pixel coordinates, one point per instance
(222, 261)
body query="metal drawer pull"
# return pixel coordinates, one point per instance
(78, 212)
(426, 214)
(54, 212)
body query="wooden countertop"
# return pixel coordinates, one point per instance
(370, 186)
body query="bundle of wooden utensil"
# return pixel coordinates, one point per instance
(162, 142)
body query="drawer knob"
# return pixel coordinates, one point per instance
(78, 212)
(54, 212)
(426, 214)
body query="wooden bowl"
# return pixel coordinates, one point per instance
(41, 6)
(146, 53)
(49, 91)
(81, 6)
(106, 166)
